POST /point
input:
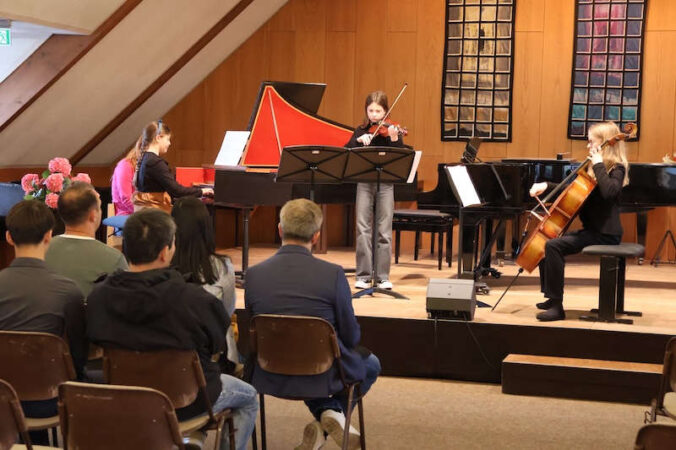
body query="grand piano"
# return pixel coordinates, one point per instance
(503, 187)
(285, 114)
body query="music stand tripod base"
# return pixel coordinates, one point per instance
(376, 290)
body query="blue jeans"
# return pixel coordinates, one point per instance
(242, 398)
(338, 402)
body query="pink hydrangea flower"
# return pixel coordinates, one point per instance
(60, 165)
(54, 182)
(28, 180)
(52, 200)
(82, 177)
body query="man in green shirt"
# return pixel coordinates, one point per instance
(76, 254)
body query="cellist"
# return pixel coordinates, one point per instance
(600, 216)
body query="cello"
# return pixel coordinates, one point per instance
(557, 218)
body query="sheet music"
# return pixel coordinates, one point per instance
(463, 186)
(414, 166)
(232, 148)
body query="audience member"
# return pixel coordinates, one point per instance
(293, 282)
(122, 183)
(33, 298)
(152, 307)
(77, 254)
(196, 257)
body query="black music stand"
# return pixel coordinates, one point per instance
(378, 165)
(312, 164)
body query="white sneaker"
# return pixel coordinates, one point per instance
(195, 441)
(362, 284)
(385, 284)
(333, 422)
(313, 437)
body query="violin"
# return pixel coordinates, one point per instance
(565, 208)
(382, 128)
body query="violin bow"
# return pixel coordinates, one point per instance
(380, 124)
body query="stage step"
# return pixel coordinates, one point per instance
(587, 379)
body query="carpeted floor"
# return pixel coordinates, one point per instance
(407, 413)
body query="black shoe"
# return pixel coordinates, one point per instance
(545, 305)
(556, 312)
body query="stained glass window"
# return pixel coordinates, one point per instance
(478, 68)
(607, 63)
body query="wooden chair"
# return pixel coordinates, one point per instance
(665, 403)
(35, 364)
(12, 421)
(107, 417)
(300, 346)
(176, 373)
(656, 437)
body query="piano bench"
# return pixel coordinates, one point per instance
(611, 280)
(424, 220)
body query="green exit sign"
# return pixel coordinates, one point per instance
(5, 36)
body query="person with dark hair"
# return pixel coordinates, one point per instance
(375, 109)
(33, 298)
(155, 185)
(76, 254)
(196, 257)
(293, 282)
(152, 307)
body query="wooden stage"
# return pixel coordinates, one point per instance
(410, 344)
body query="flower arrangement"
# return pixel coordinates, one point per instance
(49, 185)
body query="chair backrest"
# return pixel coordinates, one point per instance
(293, 345)
(12, 423)
(176, 373)
(106, 417)
(35, 363)
(655, 437)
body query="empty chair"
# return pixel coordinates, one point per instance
(35, 364)
(656, 437)
(12, 421)
(300, 346)
(665, 403)
(176, 373)
(107, 417)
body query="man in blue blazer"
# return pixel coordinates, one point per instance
(293, 282)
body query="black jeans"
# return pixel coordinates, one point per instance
(552, 265)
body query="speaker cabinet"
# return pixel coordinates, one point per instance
(451, 299)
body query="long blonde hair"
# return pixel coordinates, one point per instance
(613, 155)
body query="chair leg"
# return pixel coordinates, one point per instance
(262, 411)
(362, 429)
(397, 245)
(231, 432)
(348, 416)
(432, 243)
(440, 257)
(417, 244)
(449, 244)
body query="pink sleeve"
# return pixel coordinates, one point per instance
(123, 188)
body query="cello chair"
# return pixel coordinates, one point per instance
(611, 280)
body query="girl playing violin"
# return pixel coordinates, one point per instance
(600, 216)
(376, 108)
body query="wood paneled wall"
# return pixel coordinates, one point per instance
(359, 46)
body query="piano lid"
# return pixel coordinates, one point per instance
(285, 115)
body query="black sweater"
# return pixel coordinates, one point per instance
(377, 141)
(156, 310)
(154, 175)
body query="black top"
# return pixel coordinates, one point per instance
(154, 175)
(155, 310)
(33, 298)
(377, 141)
(601, 211)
